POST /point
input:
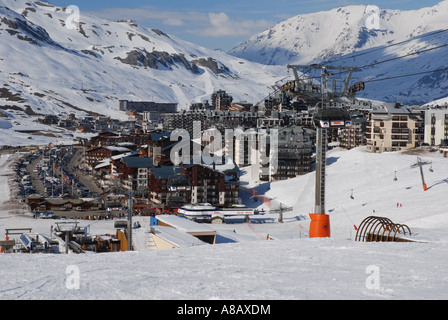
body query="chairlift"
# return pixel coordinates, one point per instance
(331, 117)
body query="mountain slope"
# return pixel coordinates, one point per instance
(334, 36)
(51, 66)
(320, 36)
(406, 72)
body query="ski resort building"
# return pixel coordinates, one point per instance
(354, 136)
(94, 155)
(170, 187)
(149, 106)
(436, 126)
(393, 127)
(294, 155)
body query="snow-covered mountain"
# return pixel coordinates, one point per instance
(51, 64)
(334, 36)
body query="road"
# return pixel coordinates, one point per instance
(84, 178)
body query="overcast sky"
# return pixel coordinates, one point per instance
(219, 24)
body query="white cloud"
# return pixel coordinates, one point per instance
(203, 24)
(173, 22)
(220, 25)
(152, 16)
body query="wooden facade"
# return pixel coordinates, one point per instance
(172, 187)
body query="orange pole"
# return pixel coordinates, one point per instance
(320, 225)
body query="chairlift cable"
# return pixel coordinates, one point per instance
(388, 46)
(406, 75)
(397, 58)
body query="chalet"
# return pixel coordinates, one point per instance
(111, 139)
(50, 204)
(104, 138)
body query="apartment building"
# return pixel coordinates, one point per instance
(436, 126)
(209, 118)
(149, 106)
(170, 187)
(221, 100)
(393, 127)
(293, 157)
(354, 136)
(97, 154)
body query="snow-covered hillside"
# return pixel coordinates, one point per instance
(243, 265)
(51, 65)
(359, 36)
(320, 36)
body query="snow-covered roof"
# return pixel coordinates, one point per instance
(183, 224)
(177, 237)
(118, 149)
(106, 162)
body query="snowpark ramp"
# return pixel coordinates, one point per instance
(380, 229)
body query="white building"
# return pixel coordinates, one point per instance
(392, 127)
(436, 126)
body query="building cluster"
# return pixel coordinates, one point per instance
(141, 161)
(88, 123)
(123, 164)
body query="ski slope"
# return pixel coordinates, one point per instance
(244, 266)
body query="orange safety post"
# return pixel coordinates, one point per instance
(320, 225)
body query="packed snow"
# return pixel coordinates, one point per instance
(243, 265)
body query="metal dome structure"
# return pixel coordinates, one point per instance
(381, 229)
